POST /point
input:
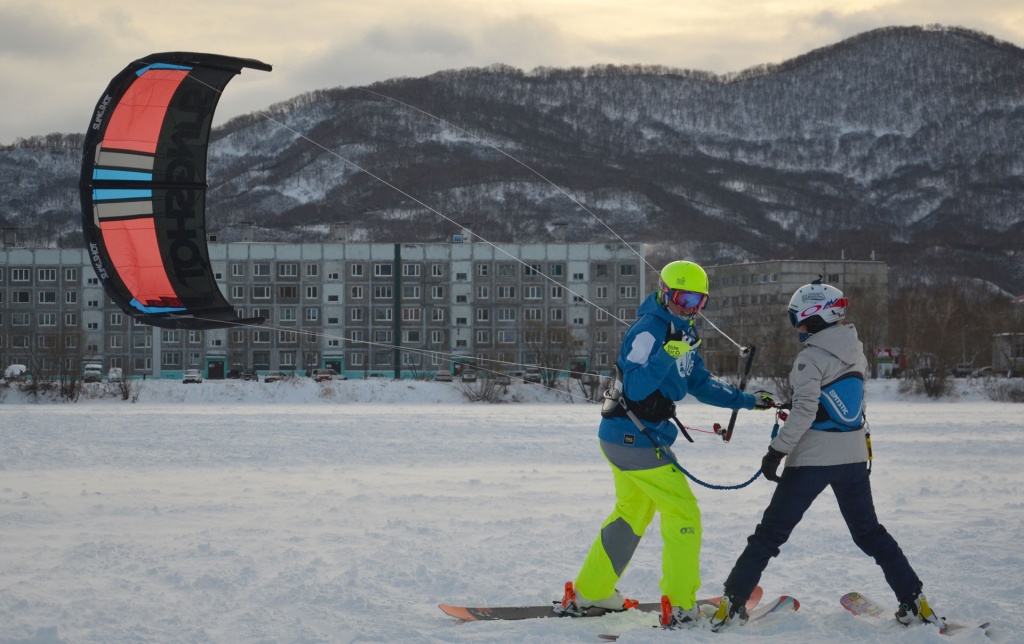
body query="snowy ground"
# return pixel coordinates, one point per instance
(240, 512)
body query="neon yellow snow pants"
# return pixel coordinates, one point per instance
(639, 493)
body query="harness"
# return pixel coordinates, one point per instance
(654, 408)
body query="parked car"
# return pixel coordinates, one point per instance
(443, 376)
(115, 375)
(962, 370)
(15, 372)
(984, 372)
(234, 374)
(469, 375)
(193, 376)
(250, 375)
(274, 376)
(93, 372)
(320, 375)
(503, 379)
(531, 374)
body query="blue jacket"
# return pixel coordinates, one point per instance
(647, 367)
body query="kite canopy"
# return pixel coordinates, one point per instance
(143, 189)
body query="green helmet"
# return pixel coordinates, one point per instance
(680, 281)
(684, 276)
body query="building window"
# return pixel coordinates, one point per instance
(288, 292)
(411, 270)
(288, 269)
(382, 293)
(382, 270)
(238, 270)
(261, 270)
(70, 275)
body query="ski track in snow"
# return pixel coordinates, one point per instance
(244, 512)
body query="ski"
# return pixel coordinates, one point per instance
(759, 613)
(484, 613)
(859, 604)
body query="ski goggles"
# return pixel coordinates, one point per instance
(685, 299)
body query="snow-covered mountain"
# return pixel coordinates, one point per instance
(901, 144)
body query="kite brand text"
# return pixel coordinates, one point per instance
(97, 261)
(101, 109)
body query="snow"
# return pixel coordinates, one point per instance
(345, 512)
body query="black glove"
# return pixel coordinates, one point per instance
(770, 464)
(764, 400)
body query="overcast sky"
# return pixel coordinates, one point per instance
(57, 56)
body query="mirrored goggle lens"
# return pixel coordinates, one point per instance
(688, 299)
(792, 318)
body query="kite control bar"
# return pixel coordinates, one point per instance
(748, 354)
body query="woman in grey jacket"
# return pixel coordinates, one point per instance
(825, 445)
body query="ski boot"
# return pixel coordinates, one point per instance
(730, 610)
(677, 618)
(575, 604)
(914, 608)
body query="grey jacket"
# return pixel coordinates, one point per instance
(826, 356)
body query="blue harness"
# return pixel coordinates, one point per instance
(841, 404)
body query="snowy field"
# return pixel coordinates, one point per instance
(245, 512)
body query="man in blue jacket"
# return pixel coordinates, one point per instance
(657, 365)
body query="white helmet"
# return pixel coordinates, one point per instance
(817, 305)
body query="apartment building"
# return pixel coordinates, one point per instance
(359, 308)
(748, 302)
